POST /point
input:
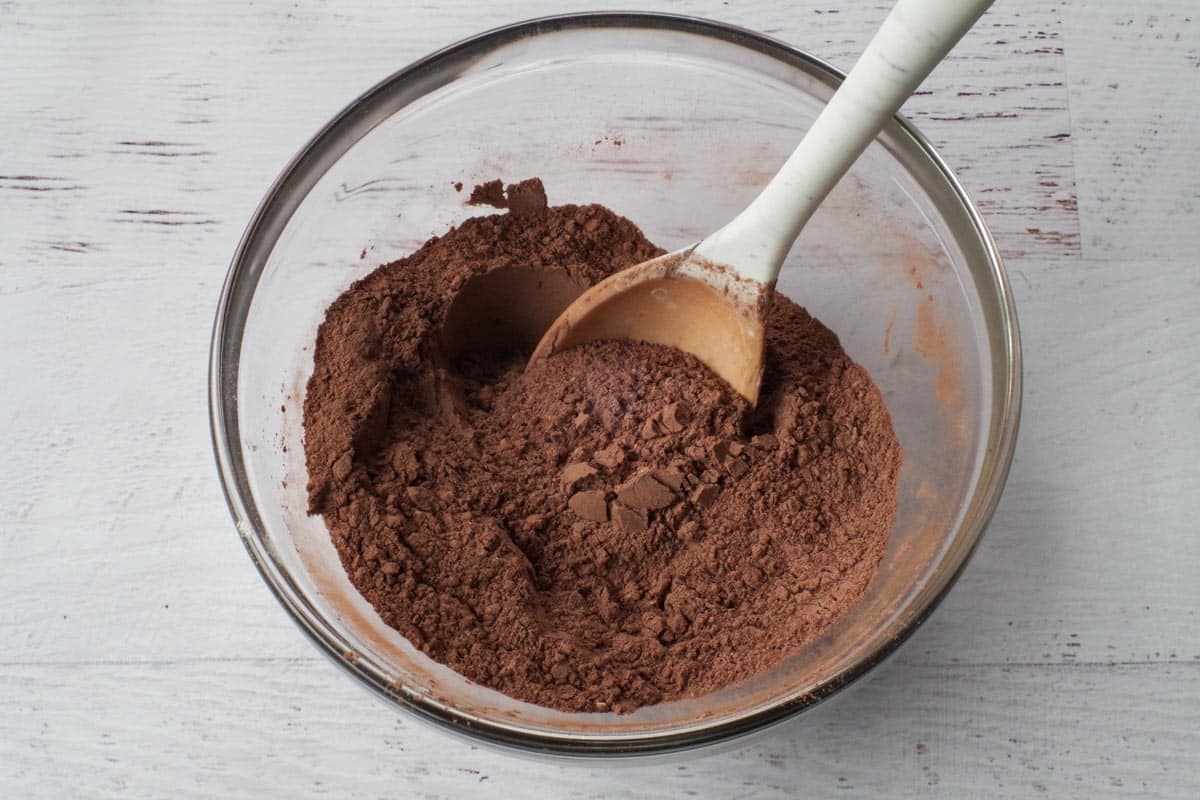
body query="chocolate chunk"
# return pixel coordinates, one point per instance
(671, 478)
(611, 457)
(490, 193)
(628, 519)
(589, 505)
(573, 473)
(705, 495)
(522, 199)
(527, 197)
(737, 467)
(650, 430)
(675, 417)
(645, 493)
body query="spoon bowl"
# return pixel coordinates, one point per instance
(712, 299)
(679, 300)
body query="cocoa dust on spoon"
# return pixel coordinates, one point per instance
(613, 528)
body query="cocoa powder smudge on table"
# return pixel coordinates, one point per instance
(613, 528)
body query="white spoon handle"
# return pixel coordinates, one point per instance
(914, 38)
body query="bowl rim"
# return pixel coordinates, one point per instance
(225, 431)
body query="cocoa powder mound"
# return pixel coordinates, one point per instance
(613, 528)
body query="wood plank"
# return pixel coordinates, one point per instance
(253, 728)
(1135, 77)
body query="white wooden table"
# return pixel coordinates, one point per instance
(136, 139)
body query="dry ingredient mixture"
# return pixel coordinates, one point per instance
(613, 528)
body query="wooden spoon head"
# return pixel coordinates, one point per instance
(678, 300)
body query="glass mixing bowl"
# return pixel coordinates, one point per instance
(675, 123)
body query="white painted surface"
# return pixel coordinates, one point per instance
(913, 39)
(144, 658)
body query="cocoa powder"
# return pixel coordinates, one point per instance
(614, 527)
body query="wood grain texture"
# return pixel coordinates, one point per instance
(1135, 71)
(291, 727)
(135, 142)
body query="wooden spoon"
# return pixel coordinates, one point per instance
(711, 299)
